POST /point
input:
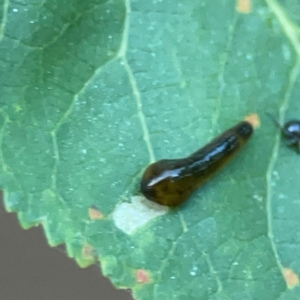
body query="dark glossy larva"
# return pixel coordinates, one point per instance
(171, 181)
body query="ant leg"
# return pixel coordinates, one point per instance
(292, 141)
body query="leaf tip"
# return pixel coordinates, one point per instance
(95, 213)
(244, 6)
(142, 276)
(291, 278)
(253, 119)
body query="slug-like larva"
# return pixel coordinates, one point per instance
(171, 181)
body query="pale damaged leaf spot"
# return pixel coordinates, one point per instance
(291, 278)
(128, 217)
(95, 214)
(142, 276)
(89, 252)
(244, 6)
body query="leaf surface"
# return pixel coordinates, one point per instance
(93, 91)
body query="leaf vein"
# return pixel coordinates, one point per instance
(213, 271)
(290, 29)
(5, 167)
(137, 95)
(223, 63)
(4, 18)
(292, 79)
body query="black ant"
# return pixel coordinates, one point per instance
(291, 130)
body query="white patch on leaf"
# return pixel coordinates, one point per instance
(128, 217)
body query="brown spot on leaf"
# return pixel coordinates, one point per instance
(95, 213)
(244, 6)
(291, 277)
(89, 252)
(142, 276)
(253, 119)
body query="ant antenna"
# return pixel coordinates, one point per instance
(274, 120)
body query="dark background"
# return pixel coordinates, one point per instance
(31, 270)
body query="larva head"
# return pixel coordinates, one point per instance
(162, 183)
(244, 130)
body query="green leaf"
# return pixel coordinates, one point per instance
(93, 91)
